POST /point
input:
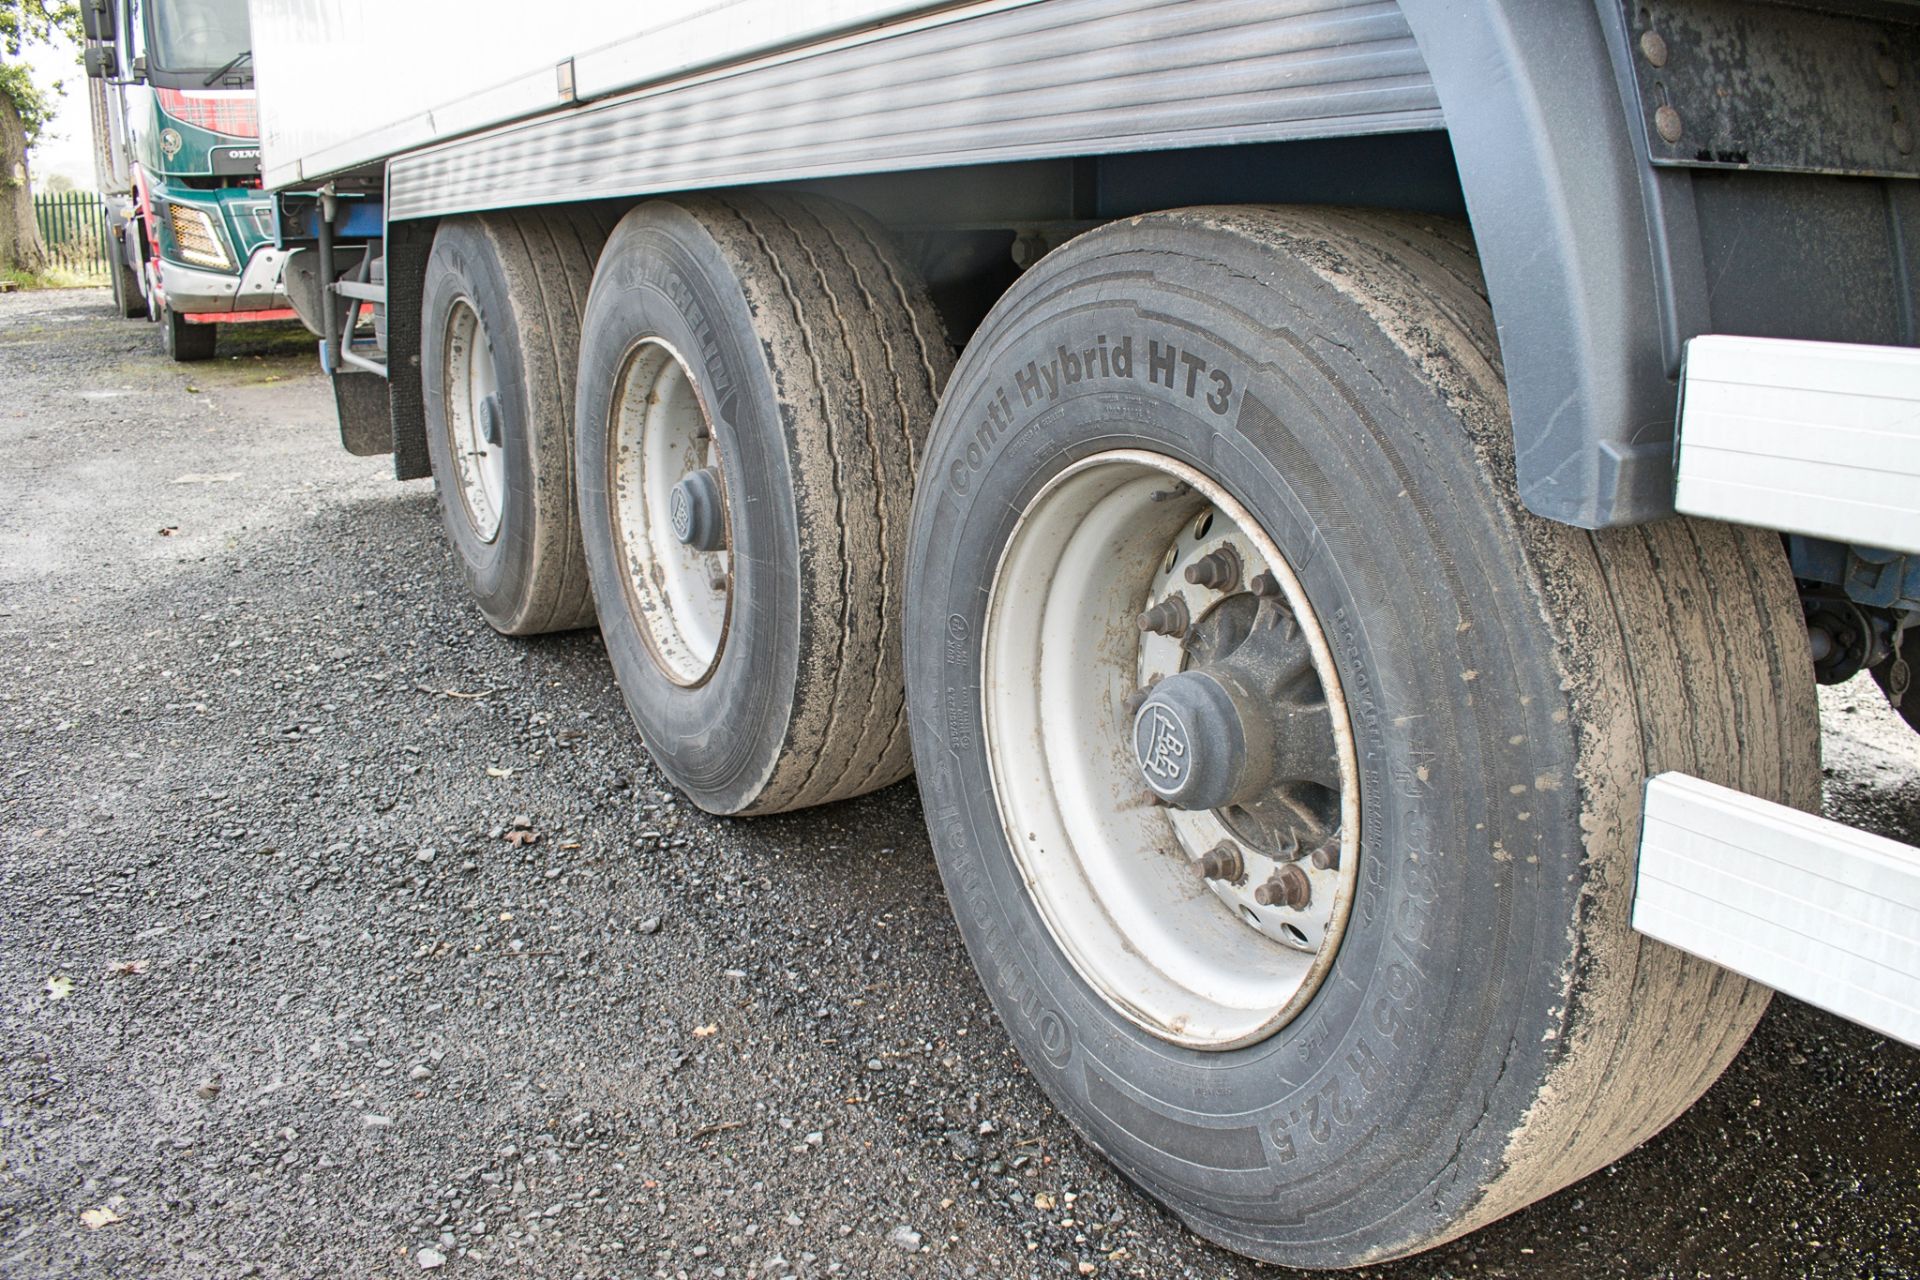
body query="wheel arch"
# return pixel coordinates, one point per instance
(1554, 191)
(1602, 258)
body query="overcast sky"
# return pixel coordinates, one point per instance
(66, 144)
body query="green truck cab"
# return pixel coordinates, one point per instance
(177, 151)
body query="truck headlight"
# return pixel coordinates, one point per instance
(199, 243)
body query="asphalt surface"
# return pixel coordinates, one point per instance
(335, 928)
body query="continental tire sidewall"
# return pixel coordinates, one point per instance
(1369, 1122)
(661, 277)
(462, 265)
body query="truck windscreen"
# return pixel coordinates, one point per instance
(198, 35)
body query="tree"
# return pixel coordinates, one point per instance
(24, 112)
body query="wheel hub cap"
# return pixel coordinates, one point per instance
(694, 505)
(1190, 740)
(490, 428)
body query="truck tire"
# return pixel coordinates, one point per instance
(149, 291)
(500, 341)
(128, 301)
(186, 342)
(1283, 772)
(758, 375)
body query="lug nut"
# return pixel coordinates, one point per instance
(1287, 887)
(1222, 862)
(1169, 617)
(1264, 585)
(1327, 856)
(1219, 569)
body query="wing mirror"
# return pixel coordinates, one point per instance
(96, 19)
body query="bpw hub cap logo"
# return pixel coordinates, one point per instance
(1163, 746)
(680, 513)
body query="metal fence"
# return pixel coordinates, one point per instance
(73, 225)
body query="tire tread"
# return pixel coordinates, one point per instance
(548, 257)
(1649, 1027)
(828, 292)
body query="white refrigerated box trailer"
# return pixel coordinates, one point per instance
(359, 82)
(1673, 243)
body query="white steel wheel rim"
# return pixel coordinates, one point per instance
(682, 597)
(479, 456)
(1111, 871)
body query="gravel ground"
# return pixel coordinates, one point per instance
(343, 937)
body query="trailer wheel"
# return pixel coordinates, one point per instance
(1283, 772)
(184, 341)
(500, 339)
(758, 375)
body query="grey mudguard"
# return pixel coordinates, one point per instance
(1554, 185)
(1602, 259)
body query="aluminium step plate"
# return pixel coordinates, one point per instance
(1809, 907)
(1819, 438)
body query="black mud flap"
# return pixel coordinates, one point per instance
(366, 420)
(408, 244)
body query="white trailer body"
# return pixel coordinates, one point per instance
(1257, 268)
(356, 90)
(826, 86)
